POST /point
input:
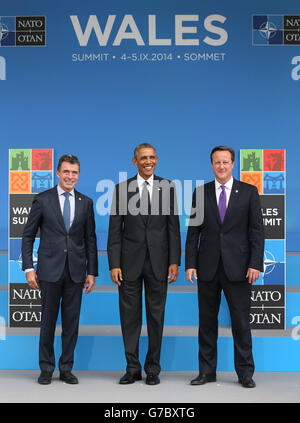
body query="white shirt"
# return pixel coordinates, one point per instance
(228, 187)
(62, 198)
(141, 181)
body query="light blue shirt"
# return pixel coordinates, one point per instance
(62, 198)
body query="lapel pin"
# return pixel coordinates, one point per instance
(79, 198)
(236, 190)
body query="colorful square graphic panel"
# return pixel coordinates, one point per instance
(30, 172)
(265, 169)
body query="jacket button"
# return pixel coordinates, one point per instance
(65, 251)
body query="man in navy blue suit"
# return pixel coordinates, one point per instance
(67, 263)
(224, 252)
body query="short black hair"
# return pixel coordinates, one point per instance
(68, 158)
(143, 145)
(223, 148)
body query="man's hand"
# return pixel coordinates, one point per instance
(89, 283)
(172, 273)
(252, 275)
(190, 273)
(32, 279)
(116, 275)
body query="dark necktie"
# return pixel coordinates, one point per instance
(145, 201)
(222, 203)
(67, 211)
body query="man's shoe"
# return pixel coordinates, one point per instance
(68, 377)
(128, 378)
(45, 378)
(203, 378)
(152, 379)
(247, 382)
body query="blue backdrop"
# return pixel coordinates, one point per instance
(98, 101)
(100, 110)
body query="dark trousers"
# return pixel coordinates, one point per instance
(69, 294)
(237, 295)
(130, 303)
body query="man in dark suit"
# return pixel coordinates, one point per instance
(143, 245)
(225, 252)
(67, 263)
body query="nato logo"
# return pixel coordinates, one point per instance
(274, 263)
(267, 30)
(26, 31)
(15, 248)
(7, 33)
(273, 30)
(16, 274)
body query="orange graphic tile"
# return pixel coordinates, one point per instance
(19, 182)
(253, 178)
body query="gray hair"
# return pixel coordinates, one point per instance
(143, 145)
(68, 158)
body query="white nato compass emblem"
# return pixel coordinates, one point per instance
(269, 262)
(267, 30)
(3, 31)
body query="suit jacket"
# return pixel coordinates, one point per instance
(239, 240)
(78, 246)
(131, 234)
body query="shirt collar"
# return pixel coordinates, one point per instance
(141, 180)
(228, 184)
(61, 191)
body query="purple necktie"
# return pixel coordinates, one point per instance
(222, 203)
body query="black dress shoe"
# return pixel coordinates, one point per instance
(128, 378)
(68, 377)
(152, 379)
(45, 378)
(247, 382)
(203, 378)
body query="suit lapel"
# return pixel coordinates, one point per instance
(54, 201)
(231, 204)
(134, 189)
(78, 208)
(134, 204)
(156, 199)
(211, 192)
(232, 200)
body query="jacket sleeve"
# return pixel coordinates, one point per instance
(91, 242)
(256, 232)
(174, 241)
(114, 242)
(193, 234)
(29, 233)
